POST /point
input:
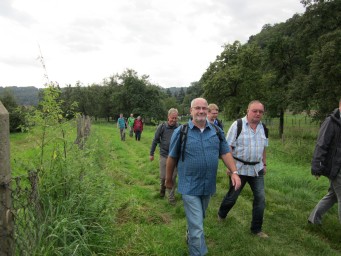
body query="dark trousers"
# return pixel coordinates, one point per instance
(138, 135)
(257, 186)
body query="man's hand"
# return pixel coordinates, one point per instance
(235, 181)
(151, 158)
(170, 166)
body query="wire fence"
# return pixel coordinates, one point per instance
(21, 208)
(26, 210)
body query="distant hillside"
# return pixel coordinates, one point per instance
(175, 90)
(26, 96)
(29, 96)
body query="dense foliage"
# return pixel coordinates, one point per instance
(289, 66)
(17, 113)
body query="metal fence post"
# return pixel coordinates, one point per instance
(6, 221)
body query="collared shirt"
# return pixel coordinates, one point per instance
(121, 122)
(131, 121)
(249, 147)
(197, 173)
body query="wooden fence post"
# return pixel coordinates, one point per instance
(6, 218)
(83, 130)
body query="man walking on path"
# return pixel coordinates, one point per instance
(131, 120)
(327, 162)
(162, 137)
(248, 149)
(121, 124)
(197, 157)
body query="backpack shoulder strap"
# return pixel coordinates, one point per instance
(266, 130)
(183, 139)
(219, 134)
(239, 127)
(162, 129)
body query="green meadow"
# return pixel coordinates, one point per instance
(104, 200)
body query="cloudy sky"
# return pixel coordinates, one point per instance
(172, 41)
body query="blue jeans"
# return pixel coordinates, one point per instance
(195, 208)
(332, 197)
(257, 186)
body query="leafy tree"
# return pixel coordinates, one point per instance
(170, 102)
(234, 78)
(181, 95)
(16, 113)
(110, 97)
(318, 36)
(223, 78)
(137, 95)
(325, 74)
(169, 93)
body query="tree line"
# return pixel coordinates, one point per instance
(294, 65)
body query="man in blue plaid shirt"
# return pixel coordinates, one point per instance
(197, 170)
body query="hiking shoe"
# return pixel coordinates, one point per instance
(172, 201)
(220, 219)
(261, 235)
(162, 192)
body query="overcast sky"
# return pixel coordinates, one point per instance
(172, 41)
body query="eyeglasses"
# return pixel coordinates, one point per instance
(259, 111)
(200, 108)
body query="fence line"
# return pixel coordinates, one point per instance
(21, 209)
(83, 130)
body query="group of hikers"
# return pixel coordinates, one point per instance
(135, 126)
(191, 152)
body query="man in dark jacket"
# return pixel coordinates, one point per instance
(327, 162)
(163, 136)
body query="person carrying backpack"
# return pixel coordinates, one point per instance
(248, 149)
(130, 122)
(327, 162)
(212, 115)
(162, 137)
(138, 128)
(122, 125)
(197, 157)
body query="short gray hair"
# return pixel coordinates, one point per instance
(192, 102)
(172, 111)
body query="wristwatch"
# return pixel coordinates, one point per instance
(235, 172)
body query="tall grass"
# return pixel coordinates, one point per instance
(107, 203)
(70, 215)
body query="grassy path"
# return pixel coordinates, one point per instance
(145, 224)
(148, 225)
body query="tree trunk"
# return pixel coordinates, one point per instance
(281, 124)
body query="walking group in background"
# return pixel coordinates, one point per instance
(191, 152)
(135, 126)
